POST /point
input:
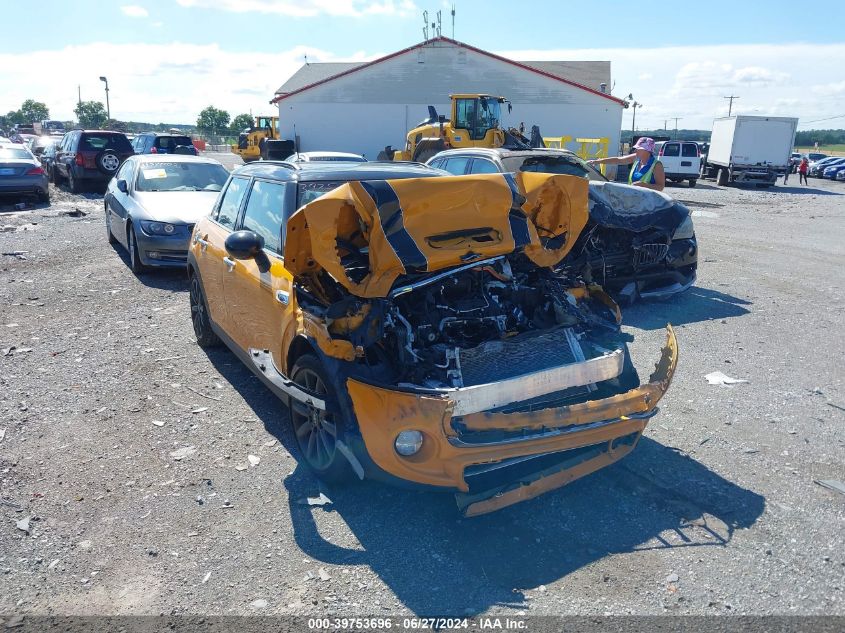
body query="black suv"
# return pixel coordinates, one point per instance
(86, 156)
(155, 143)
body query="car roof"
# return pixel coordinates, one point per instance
(503, 152)
(326, 155)
(328, 171)
(173, 158)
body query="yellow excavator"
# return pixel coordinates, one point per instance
(475, 122)
(261, 140)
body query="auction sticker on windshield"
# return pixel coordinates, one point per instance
(150, 174)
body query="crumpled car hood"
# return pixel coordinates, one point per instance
(368, 234)
(634, 208)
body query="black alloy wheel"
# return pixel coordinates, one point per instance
(199, 315)
(317, 431)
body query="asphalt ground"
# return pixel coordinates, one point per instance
(715, 512)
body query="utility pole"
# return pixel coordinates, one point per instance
(677, 118)
(108, 108)
(453, 21)
(665, 124)
(634, 105)
(730, 102)
(79, 94)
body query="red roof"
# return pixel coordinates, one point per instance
(456, 43)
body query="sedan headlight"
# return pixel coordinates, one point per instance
(158, 228)
(685, 231)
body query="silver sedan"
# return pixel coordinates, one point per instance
(21, 173)
(153, 202)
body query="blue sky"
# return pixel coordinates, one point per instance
(166, 59)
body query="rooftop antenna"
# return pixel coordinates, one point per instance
(425, 27)
(453, 21)
(306, 58)
(439, 24)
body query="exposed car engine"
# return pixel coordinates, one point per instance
(432, 327)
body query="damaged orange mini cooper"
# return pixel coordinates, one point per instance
(424, 329)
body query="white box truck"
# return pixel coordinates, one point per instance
(749, 149)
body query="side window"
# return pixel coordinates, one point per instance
(456, 166)
(125, 171)
(265, 211)
(437, 163)
(483, 166)
(689, 150)
(231, 202)
(672, 149)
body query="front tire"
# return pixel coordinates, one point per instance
(692, 182)
(109, 235)
(199, 315)
(316, 431)
(73, 182)
(135, 262)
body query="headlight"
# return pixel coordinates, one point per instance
(158, 228)
(408, 443)
(685, 231)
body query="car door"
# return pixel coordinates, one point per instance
(259, 291)
(483, 166)
(208, 247)
(690, 158)
(670, 155)
(61, 155)
(456, 165)
(117, 202)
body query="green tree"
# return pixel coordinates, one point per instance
(213, 120)
(32, 111)
(242, 122)
(91, 114)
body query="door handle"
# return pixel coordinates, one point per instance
(230, 263)
(201, 241)
(283, 297)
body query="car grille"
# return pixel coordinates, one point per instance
(498, 360)
(647, 254)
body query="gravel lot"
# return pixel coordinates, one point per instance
(715, 512)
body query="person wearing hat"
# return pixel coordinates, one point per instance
(646, 170)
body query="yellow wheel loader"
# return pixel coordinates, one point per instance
(262, 141)
(475, 122)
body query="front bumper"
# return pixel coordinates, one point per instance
(673, 274)
(457, 449)
(162, 251)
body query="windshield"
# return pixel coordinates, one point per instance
(309, 191)
(13, 152)
(555, 164)
(477, 116)
(180, 176)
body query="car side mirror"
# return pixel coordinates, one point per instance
(122, 186)
(244, 245)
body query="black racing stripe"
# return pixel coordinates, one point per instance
(516, 216)
(393, 225)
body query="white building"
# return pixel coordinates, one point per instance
(363, 107)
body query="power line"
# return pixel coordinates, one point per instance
(730, 102)
(830, 118)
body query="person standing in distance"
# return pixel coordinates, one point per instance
(646, 170)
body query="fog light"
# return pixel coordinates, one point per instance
(408, 442)
(153, 254)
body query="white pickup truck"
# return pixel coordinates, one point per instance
(749, 149)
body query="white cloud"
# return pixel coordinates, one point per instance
(692, 81)
(134, 11)
(153, 83)
(308, 8)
